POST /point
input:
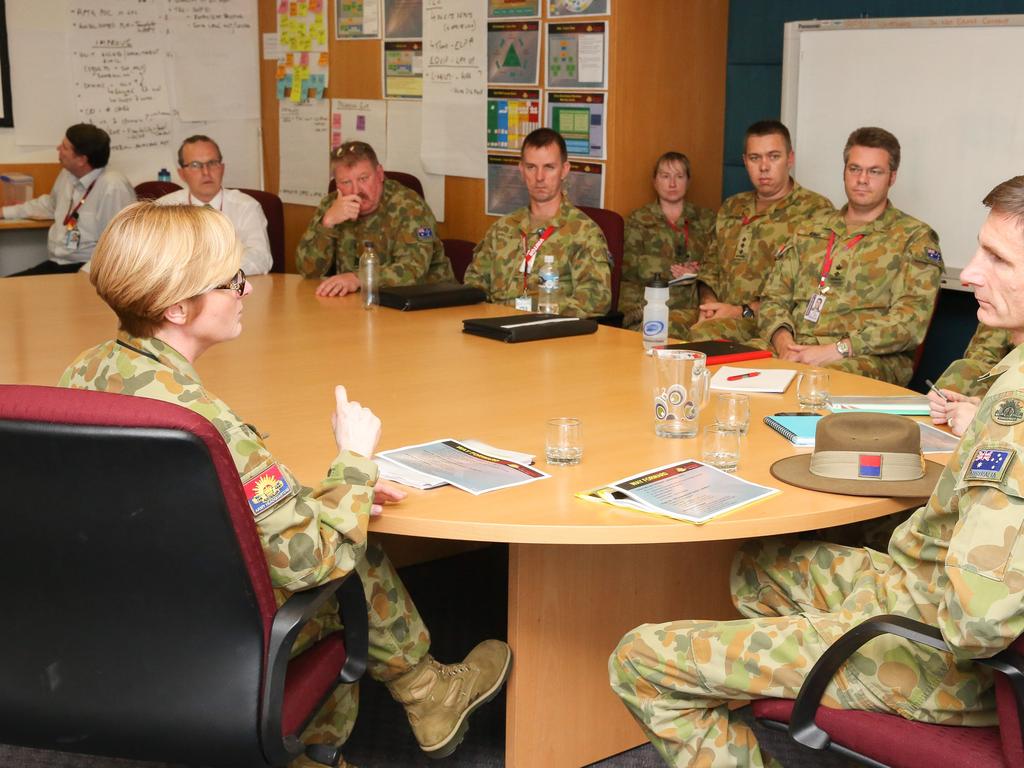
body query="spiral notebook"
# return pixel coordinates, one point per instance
(799, 430)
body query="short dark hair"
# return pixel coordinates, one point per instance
(1007, 199)
(91, 141)
(544, 137)
(672, 157)
(875, 138)
(195, 139)
(352, 152)
(768, 128)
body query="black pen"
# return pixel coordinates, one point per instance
(935, 389)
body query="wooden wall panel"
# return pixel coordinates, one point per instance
(43, 174)
(667, 91)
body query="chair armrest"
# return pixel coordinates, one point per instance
(288, 622)
(802, 727)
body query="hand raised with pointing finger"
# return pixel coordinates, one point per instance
(356, 428)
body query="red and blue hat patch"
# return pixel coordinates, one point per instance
(869, 465)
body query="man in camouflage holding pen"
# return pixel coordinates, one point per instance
(506, 262)
(367, 207)
(855, 289)
(957, 564)
(750, 230)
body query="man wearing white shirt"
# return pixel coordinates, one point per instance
(201, 167)
(85, 196)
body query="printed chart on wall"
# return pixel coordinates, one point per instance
(505, 191)
(403, 69)
(302, 73)
(357, 19)
(508, 9)
(511, 115)
(360, 120)
(580, 118)
(579, 7)
(513, 52)
(403, 19)
(576, 54)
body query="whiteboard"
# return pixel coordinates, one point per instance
(948, 88)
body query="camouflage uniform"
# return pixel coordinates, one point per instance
(581, 257)
(741, 253)
(652, 246)
(957, 563)
(402, 230)
(967, 376)
(881, 290)
(310, 536)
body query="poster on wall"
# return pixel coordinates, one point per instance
(507, 9)
(360, 120)
(403, 69)
(513, 52)
(580, 118)
(576, 54)
(304, 165)
(357, 19)
(303, 70)
(585, 184)
(511, 114)
(403, 19)
(302, 76)
(579, 7)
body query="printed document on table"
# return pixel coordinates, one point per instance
(770, 380)
(456, 463)
(688, 490)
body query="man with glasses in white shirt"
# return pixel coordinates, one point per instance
(85, 196)
(201, 167)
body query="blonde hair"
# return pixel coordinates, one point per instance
(150, 257)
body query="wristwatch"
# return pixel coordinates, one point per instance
(748, 312)
(843, 348)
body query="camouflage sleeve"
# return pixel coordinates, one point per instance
(309, 535)
(914, 290)
(710, 273)
(701, 234)
(777, 302)
(413, 244)
(316, 252)
(478, 273)
(982, 611)
(987, 347)
(631, 289)
(591, 276)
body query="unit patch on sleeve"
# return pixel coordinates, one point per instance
(989, 464)
(1008, 411)
(266, 489)
(424, 233)
(933, 255)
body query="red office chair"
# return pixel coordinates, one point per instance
(274, 211)
(883, 740)
(405, 179)
(614, 229)
(459, 253)
(151, 190)
(143, 624)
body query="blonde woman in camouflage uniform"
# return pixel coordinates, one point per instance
(957, 564)
(666, 237)
(171, 275)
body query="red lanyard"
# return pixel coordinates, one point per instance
(826, 265)
(72, 214)
(686, 232)
(748, 219)
(528, 255)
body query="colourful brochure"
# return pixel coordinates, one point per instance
(456, 463)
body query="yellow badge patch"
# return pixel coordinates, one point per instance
(1008, 411)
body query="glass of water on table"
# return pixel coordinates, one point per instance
(564, 441)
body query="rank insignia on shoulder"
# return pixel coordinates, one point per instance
(989, 464)
(933, 255)
(424, 233)
(266, 489)
(999, 370)
(1008, 411)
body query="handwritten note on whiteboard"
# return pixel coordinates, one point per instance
(304, 139)
(455, 87)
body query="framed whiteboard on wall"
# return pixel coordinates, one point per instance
(947, 87)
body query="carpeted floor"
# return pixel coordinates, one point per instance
(382, 738)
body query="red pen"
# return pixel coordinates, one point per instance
(739, 376)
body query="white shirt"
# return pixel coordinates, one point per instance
(111, 193)
(250, 224)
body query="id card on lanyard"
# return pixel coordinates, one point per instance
(524, 302)
(73, 236)
(817, 302)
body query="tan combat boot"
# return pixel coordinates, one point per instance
(439, 698)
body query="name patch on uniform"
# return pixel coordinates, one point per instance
(933, 255)
(424, 233)
(1008, 411)
(989, 464)
(869, 465)
(266, 489)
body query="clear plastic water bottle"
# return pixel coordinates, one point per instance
(655, 322)
(549, 292)
(369, 265)
(163, 175)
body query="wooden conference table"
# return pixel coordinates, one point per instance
(580, 574)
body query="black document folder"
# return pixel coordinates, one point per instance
(430, 296)
(528, 327)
